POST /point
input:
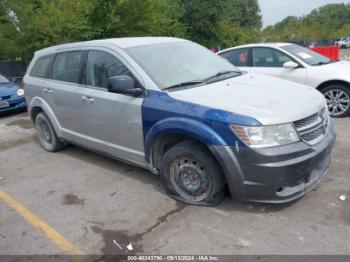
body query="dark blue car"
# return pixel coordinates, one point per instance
(11, 96)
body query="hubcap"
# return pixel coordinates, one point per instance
(45, 133)
(338, 101)
(190, 180)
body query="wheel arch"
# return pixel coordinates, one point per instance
(38, 105)
(171, 131)
(332, 82)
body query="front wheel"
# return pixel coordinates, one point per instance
(338, 100)
(191, 174)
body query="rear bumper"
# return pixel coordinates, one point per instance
(14, 104)
(278, 174)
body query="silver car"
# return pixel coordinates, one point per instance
(185, 113)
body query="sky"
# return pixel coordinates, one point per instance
(274, 11)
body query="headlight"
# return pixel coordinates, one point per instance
(266, 136)
(20, 92)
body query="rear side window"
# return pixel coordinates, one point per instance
(41, 67)
(101, 66)
(66, 67)
(237, 57)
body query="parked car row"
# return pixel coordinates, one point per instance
(183, 112)
(298, 64)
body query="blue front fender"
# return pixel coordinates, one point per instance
(162, 114)
(182, 126)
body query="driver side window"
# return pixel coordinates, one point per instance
(268, 57)
(101, 66)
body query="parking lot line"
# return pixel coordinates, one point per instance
(39, 224)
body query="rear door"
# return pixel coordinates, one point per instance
(239, 58)
(269, 61)
(113, 122)
(64, 91)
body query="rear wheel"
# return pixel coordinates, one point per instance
(338, 100)
(191, 175)
(46, 134)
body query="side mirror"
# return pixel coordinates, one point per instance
(290, 65)
(123, 84)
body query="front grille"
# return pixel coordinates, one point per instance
(312, 129)
(306, 121)
(314, 134)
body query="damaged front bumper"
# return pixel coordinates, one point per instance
(277, 174)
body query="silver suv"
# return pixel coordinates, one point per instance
(181, 111)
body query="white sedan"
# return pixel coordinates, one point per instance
(344, 42)
(298, 64)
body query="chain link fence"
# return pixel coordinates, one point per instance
(13, 70)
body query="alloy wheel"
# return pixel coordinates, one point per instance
(338, 101)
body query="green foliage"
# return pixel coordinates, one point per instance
(29, 25)
(327, 22)
(9, 48)
(221, 22)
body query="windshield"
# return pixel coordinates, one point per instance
(308, 56)
(179, 63)
(3, 79)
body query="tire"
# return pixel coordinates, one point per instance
(191, 175)
(338, 99)
(47, 137)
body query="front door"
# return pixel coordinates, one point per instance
(269, 61)
(113, 122)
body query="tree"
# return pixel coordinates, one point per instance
(221, 22)
(240, 22)
(36, 24)
(327, 22)
(8, 33)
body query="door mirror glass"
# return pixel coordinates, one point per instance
(123, 84)
(290, 65)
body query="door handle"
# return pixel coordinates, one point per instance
(87, 99)
(48, 90)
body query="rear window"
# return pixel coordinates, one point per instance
(66, 67)
(41, 66)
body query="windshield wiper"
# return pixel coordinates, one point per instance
(197, 82)
(188, 83)
(221, 73)
(323, 63)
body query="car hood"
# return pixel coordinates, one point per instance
(8, 89)
(268, 99)
(339, 68)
